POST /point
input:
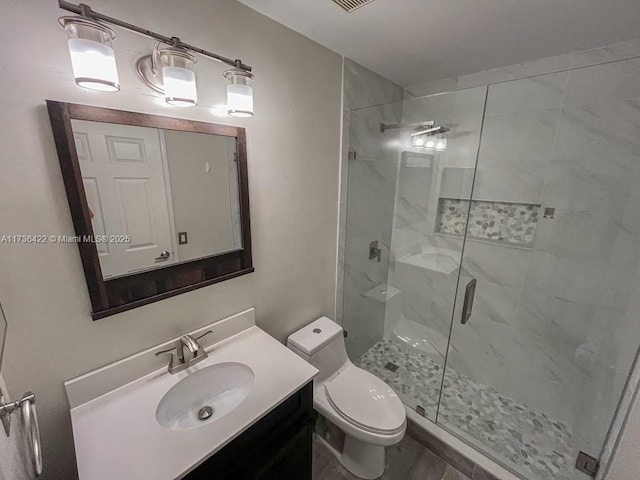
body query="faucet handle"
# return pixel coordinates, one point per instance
(174, 356)
(204, 334)
(170, 350)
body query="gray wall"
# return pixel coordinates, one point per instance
(293, 157)
(366, 201)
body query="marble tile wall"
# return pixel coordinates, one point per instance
(517, 137)
(366, 200)
(596, 56)
(509, 223)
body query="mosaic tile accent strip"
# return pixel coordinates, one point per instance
(527, 441)
(511, 223)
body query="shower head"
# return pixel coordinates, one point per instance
(430, 131)
(393, 126)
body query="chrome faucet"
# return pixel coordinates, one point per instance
(192, 346)
(186, 353)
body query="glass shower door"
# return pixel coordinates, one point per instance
(400, 272)
(538, 358)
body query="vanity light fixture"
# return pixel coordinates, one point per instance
(168, 70)
(239, 93)
(179, 80)
(425, 135)
(419, 141)
(430, 138)
(92, 57)
(440, 143)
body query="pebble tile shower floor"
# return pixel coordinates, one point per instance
(527, 441)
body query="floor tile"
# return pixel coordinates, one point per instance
(428, 467)
(408, 460)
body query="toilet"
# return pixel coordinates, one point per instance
(362, 406)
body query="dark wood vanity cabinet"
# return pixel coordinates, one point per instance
(277, 447)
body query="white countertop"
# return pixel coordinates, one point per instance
(117, 435)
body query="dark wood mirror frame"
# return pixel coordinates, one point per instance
(119, 294)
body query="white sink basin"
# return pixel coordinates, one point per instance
(205, 396)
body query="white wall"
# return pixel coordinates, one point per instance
(293, 156)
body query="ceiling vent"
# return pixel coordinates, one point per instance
(351, 5)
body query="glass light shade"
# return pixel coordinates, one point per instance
(94, 65)
(240, 100)
(239, 93)
(92, 57)
(418, 141)
(180, 88)
(178, 80)
(440, 144)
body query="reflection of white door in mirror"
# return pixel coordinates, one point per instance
(124, 180)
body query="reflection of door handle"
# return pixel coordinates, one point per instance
(467, 307)
(163, 256)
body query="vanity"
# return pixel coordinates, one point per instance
(135, 420)
(160, 207)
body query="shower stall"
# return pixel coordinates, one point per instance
(492, 267)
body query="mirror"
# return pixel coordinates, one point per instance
(160, 205)
(157, 197)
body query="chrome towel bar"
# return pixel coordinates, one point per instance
(27, 405)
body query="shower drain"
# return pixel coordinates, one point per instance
(391, 366)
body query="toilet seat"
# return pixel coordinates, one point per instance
(366, 401)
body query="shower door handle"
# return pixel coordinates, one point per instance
(467, 306)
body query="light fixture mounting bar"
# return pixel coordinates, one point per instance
(86, 11)
(393, 126)
(431, 131)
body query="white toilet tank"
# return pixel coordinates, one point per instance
(321, 343)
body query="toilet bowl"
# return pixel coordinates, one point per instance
(362, 406)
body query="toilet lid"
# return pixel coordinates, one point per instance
(366, 400)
